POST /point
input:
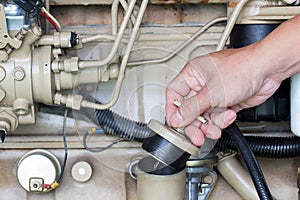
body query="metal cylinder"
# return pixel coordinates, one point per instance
(36, 168)
(167, 186)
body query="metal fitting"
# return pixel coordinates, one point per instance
(114, 71)
(71, 65)
(58, 98)
(8, 120)
(71, 101)
(20, 107)
(62, 39)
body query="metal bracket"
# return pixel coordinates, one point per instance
(5, 39)
(207, 188)
(200, 178)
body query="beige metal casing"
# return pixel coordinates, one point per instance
(237, 176)
(16, 82)
(166, 187)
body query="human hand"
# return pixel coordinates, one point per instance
(217, 86)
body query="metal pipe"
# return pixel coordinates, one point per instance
(230, 24)
(108, 59)
(124, 62)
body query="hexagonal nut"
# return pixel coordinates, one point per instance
(74, 101)
(4, 126)
(57, 98)
(9, 117)
(114, 71)
(71, 65)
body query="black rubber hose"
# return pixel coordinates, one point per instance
(115, 124)
(109, 121)
(267, 147)
(254, 169)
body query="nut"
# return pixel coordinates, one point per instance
(10, 118)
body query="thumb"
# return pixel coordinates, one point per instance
(191, 108)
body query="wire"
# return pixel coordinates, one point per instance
(50, 21)
(230, 24)
(182, 46)
(65, 147)
(98, 150)
(55, 21)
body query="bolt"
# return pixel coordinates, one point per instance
(19, 73)
(208, 179)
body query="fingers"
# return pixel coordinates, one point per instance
(187, 83)
(190, 109)
(219, 118)
(198, 133)
(176, 90)
(195, 134)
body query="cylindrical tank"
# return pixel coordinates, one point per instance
(164, 183)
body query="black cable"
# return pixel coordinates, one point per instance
(98, 150)
(65, 147)
(254, 169)
(264, 146)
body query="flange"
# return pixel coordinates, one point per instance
(174, 137)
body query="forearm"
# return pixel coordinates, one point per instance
(279, 52)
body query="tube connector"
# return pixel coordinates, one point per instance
(71, 65)
(67, 65)
(71, 101)
(59, 40)
(62, 39)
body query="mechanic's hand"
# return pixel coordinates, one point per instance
(217, 86)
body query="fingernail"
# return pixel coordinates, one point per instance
(176, 119)
(230, 117)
